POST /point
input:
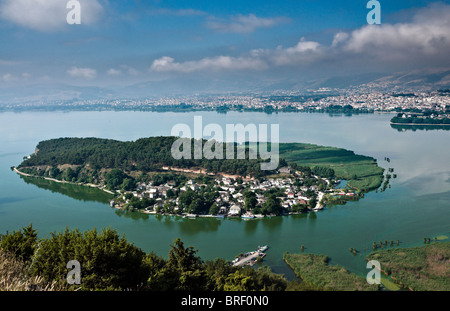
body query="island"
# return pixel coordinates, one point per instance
(424, 118)
(418, 127)
(143, 176)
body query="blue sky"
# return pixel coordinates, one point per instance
(126, 42)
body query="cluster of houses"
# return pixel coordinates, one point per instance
(231, 199)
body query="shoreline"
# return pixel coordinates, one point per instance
(62, 181)
(317, 208)
(421, 124)
(145, 211)
(218, 216)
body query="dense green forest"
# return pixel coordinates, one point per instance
(146, 154)
(110, 262)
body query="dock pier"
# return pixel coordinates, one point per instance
(250, 257)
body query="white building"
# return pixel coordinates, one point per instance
(234, 210)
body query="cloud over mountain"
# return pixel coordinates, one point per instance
(425, 40)
(86, 73)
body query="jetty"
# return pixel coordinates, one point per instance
(250, 258)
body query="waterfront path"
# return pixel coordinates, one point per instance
(319, 205)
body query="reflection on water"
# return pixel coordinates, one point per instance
(199, 225)
(432, 198)
(132, 215)
(250, 226)
(81, 193)
(416, 127)
(272, 223)
(192, 227)
(312, 217)
(8, 200)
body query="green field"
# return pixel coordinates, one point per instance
(361, 172)
(424, 268)
(315, 270)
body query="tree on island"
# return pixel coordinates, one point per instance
(272, 205)
(214, 210)
(250, 200)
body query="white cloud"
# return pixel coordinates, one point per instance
(217, 63)
(259, 59)
(303, 53)
(427, 34)
(15, 77)
(4, 62)
(130, 70)
(243, 23)
(339, 38)
(7, 77)
(303, 46)
(114, 72)
(425, 40)
(179, 12)
(86, 73)
(122, 70)
(46, 15)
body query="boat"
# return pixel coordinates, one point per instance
(191, 215)
(220, 216)
(248, 216)
(263, 248)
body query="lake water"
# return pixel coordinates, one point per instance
(416, 206)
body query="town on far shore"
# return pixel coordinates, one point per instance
(289, 191)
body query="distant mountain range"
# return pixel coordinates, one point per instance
(417, 80)
(414, 80)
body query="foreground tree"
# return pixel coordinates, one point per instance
(107, 261)
(21, 243)
(182, 271)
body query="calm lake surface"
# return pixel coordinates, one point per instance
(416, 206)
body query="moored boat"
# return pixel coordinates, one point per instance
(263, 248)
(248, 216)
